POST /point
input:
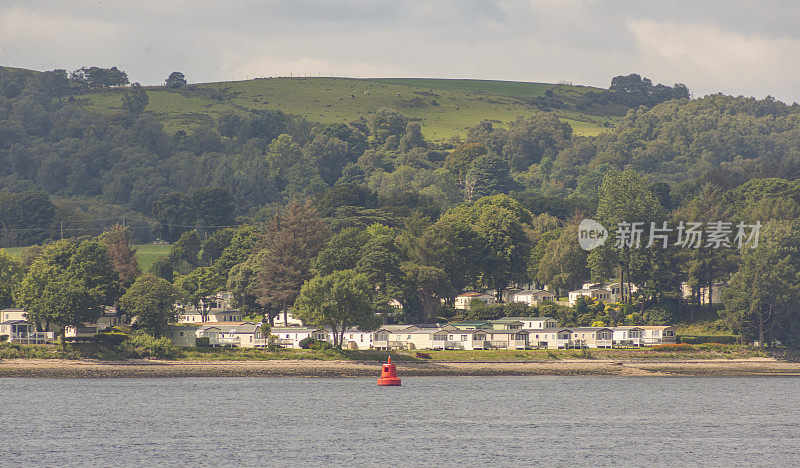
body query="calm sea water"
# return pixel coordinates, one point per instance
(452, 421)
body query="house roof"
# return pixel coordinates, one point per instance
(221, 323)
(589, 329)
(532, 292)
(548, 330)
(247, 327)
(529, 319)
(16, 322)
(474, 294)
(394, 328)
(470, 323)
(183, 326)
(293, 330)
(503, 332)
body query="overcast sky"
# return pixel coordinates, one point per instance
(736, 47)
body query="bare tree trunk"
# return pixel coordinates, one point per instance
(761, 329)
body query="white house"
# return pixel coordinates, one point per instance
(613, 288)
(591, 337)
(355, 339)
(656, 335)
(212, 316)
(108, 319)
(598, 294)
(14, 325)
(389, 337)
(507, 323)
(86, 330)
(181, 334)
(550, 338)
(286, 319)
(532, 297)
(13, 314)
(627, 336)
(535, 323)
(512, 338)
(706, 296)
(217, 308)
(464, 301)
(467, 339)
(290, 337)
(422, 337)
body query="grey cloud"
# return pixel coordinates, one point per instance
(535, 40)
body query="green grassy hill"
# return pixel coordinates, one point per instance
(146, 254)
(443, 107)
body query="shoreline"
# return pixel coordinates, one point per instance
(86, 368)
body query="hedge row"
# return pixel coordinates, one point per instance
(698, 339)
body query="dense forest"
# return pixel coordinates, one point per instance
(260, 202)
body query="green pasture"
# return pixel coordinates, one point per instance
(444, 107)
(146, 254)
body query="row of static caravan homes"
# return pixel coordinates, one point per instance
(510, 334)
(506, 333)
(250, 335)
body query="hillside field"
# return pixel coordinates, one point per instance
(146, 254)
(445, 108)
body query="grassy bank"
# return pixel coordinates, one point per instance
(679, 352)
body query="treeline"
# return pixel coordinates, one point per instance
(263, 159)
(418, 221)
(341, 256)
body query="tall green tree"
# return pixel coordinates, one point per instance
(198, 286)
(135, 100)
(500, 222)
(175, 80)
(11, 274)
(243, 283)
(152, 301)
(67, 284)
(563, 265)
(121, 254)
(340, 300)
(185, 254)
(625, 197)
(293, 240)
(424, 288)
(214, 208)
(762, 300)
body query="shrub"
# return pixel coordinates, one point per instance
(674, 347)
(307, 342)
(143, 345)
(202, 342)
(698, 339)
(112, 339)
(713, 346)
(321, 345)
(3, 338)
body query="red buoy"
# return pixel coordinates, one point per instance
(388, 374)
